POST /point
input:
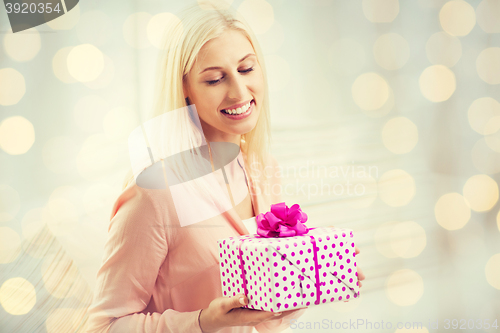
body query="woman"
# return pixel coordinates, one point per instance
(157, 274)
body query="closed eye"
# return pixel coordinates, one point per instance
(247, 70)
(213, 81)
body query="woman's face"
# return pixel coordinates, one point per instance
(227, 87)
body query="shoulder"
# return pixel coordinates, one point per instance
(137, 207)
(133, 197)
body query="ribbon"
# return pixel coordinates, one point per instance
(282, 221)
(240, 243)
(316, 267)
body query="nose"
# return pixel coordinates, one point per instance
(237, 88)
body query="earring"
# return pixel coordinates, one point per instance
(187, 101)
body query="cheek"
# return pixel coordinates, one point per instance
(258, 83)
(207, 100)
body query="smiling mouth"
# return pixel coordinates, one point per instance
(239, 110)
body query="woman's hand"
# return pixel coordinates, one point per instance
(361, 275)
(227, 311)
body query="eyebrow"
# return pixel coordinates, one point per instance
(210, 68)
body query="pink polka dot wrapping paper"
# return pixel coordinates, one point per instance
(281, 274)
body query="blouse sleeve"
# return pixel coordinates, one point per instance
(134, 252)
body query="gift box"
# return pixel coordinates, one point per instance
(286, 265)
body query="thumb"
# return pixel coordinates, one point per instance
(235, 302)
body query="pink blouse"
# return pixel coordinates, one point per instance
(156, 275)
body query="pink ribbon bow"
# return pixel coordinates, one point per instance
(282, 221)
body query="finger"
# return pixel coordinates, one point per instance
(288, 313)
(236, 301)
(361, 275)
(256, 316)
(356, 249)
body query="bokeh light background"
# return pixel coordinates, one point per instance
(410, 88)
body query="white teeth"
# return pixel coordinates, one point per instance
(239, 110)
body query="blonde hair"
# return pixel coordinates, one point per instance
(182, 42)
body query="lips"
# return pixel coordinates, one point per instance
(237, 108)
(241, 115)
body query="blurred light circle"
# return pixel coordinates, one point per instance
(106, 76)
(492, 271)
(443, 49)
(60, 67)
(211, 4)
(396, 188)
(158, 25)
(437, 83)
(94, 27)
(259, 14)
(370, 91)
(380, 11)
(391, 51)
(17, 135)
(10, 203)
(10, 245)
(59, 154)
(457, 17)
(272, 39)
(408, 239)
(452, 211)
(135, 30)
(400, 135)
(278, 72)
(385, 109)
(17, 296)
(346, 56)
(484, 158)
(498, 220)
(67, 21)
(22, 46)
(383, 239)
(89, 112)
(488, 65)
(488, 14)
(404, 287)
(59, 275)
(493, 141)
(85, 62)
(481, 191)
(481, 115)
(12, 86)
(493, 125)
